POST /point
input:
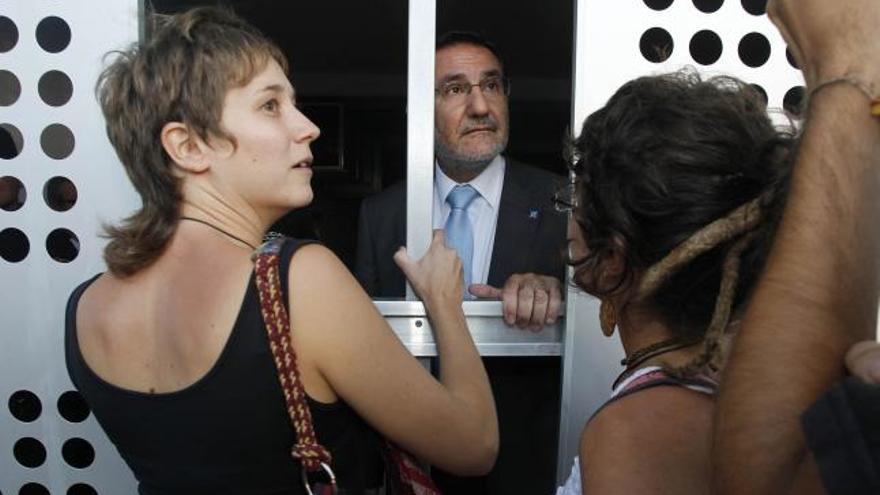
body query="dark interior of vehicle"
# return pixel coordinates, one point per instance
(348, 64)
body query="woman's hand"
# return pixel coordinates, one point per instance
(437, 277)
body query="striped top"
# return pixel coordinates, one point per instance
(653, 376)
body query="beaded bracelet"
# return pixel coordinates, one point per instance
(864, 88)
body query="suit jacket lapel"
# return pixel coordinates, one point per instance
(518, 217)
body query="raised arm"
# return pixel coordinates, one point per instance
(818, 294)
(338, 332)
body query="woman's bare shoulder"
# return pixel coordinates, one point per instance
(656, 438)
(316, 258)
(317, 270)
(100, 302)
(108, 326)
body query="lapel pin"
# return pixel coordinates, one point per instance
(533, 213)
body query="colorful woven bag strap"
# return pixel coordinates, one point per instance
(408, 476)
(267, 269)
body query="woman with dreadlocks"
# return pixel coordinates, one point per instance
(675, 187)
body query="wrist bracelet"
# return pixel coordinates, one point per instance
(861, 86)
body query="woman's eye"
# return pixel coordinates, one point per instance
(271, 105)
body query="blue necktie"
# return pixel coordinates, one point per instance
(459, 232)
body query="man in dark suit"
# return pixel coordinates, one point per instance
(529, 235)
(517, 240)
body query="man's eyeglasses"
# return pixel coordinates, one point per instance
(565, 198)
(494, 87)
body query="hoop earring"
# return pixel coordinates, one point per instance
(607, 317)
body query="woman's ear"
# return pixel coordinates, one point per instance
(613, 265)
(185, 148)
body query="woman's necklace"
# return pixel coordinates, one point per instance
(218, 229)
(638, 357)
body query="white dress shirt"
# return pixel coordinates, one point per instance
(482, 212)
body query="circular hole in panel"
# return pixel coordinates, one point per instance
(53, 34)
(755, 7)
(14, 245)
(761, 93)
(706, 47)
(73, 407)
(10, 88)
(29, 452)
(8, 34)
(33, 489)
(25, 406)
(708, 6)
(11, 141)
(55, 88)
(57, 141)
(12, 193)
(790, 58)
(754, 49)
(81, 489)
(60, 193)
(793, 101)
(656, 45)
(62, 245)
(658, 4)
(78, 453)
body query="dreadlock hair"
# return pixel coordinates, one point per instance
(180, 74)
(685, 179)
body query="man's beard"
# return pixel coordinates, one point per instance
(454, 162)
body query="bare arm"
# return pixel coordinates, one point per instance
(338, 332)
(818, 294)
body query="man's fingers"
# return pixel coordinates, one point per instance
(485, 291)
(509, 298)
(554, 306)
(438, 237)
(539, 309)
(524, 304)
(863, 361)
(529, 300)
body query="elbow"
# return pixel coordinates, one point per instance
(487, 455)
(480, 455)
(469, 443)
(487, 445)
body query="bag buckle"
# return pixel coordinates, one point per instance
(332, 486)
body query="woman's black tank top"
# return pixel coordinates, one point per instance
(229, 432)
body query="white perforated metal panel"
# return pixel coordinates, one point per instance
(610, 33)
(72, 180)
